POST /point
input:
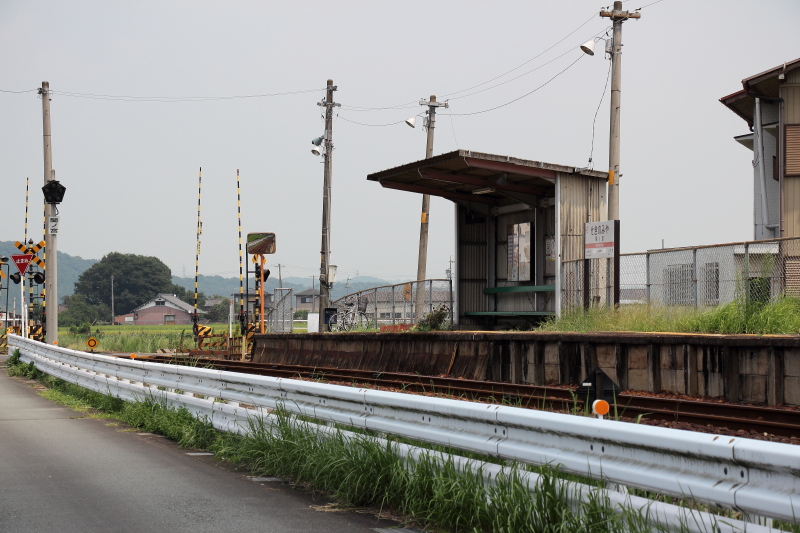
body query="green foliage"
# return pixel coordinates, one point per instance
(436, 320)
(80, 312)
(137, 279)
(13, 359)
(301, 314)
(219, 312)
(755, 317)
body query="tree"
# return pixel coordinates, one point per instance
(137, 279)
(187, 296)
(80, 312)
(219, 312)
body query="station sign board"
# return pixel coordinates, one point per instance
(599, 240)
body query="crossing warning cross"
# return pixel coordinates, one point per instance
(22, 261)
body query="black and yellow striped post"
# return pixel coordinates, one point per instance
(242, 314)
(196, 326)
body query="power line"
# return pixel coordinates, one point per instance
(524, 95)
(370, 125)
(18, 92)
(605, 88)
(129, 98)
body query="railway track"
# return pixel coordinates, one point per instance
(782, 422)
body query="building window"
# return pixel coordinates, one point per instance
(711, 284)
(160, 302)
(306, 299)
(679, 284)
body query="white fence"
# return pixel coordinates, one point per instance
(758, 478)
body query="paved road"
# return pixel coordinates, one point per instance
(60, 472)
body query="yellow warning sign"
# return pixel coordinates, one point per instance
(91, 343)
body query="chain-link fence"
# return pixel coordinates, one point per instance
(281, 317)
(699, 276)
(404, 303)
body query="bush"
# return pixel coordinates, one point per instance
(301, 314)
(436, 320)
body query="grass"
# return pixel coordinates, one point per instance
(779, 317)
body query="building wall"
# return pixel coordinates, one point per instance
(582, 200)
(790, 92)
(472, 265)
(769, 114)
(155, 316)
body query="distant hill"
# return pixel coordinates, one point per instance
(70, 267)
(217, 285)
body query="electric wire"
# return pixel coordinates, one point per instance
(600, 103)
(524, 95)
(18, 92)
(170, 99)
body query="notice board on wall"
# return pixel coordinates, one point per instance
(519, 251)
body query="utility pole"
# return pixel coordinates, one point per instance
(422, 261)
(51, 241)
(618, 16)
(280, 280)
(112, 300)
(325, 252)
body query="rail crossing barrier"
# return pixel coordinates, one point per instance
(761, 479)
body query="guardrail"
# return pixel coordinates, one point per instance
(758, 478)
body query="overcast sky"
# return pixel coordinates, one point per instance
(130, 167)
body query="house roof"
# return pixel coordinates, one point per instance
(307, 292)
(460, 176)
(174, 302)
(763, 85)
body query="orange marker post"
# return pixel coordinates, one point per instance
(600, 408)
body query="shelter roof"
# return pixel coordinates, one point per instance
(475, 177)
(765, 84)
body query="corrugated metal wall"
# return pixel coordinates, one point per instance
(791, 184)
(472, 265)
(583, 199)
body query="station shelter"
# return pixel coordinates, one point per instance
(517, 223)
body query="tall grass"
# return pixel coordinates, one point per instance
(779, 317)
(141, 342)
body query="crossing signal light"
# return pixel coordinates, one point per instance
(38, 278)
(16, 278)
(266, 274)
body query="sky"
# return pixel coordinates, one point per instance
(131, 164)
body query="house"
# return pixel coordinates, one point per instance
(769, 103)
(123, 320)
(307, 299)
(164, 309)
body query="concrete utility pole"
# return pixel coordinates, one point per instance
(618, 17)
(51, 241)
(325, 253)
(422, 261)
(112, 300)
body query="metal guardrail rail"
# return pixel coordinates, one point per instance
(758, 478)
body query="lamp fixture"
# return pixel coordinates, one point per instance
(411, 121)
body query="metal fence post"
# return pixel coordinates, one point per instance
(746, 274)
(430, 296)
(694, 275)
(393, 312)
(647, 274)
(450, 285)
(377, 316)
(609, 283)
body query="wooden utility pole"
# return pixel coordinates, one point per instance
(618, 16)
(325, 253)
(51, 241)
(422, 261)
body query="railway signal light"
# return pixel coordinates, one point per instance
(53, 192)
(16, 277)
(38, 278)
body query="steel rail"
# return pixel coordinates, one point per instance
(775, 421)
